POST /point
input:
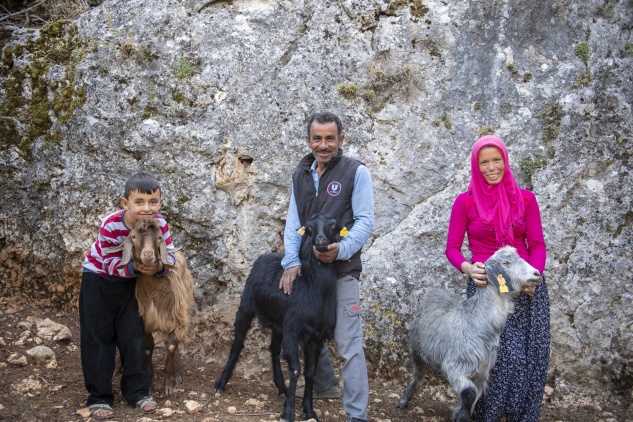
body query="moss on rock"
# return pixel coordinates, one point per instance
(33, 103)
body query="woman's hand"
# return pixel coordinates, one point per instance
(475, 271)
(528, 290)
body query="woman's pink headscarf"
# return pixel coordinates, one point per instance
(498, 205)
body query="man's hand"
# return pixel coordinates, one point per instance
(288, 278)
(149, 269)
(329, 255)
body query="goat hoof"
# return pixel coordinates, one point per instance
(462, 416)
(402, 404)
(287, 417)
(219, 386)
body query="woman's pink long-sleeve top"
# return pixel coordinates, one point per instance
(528, 237)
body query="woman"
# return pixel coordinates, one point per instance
(495, 212)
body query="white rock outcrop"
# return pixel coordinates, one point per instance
(212, 97)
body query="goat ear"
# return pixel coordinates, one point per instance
(108, 251)
(128, 246)
(495, 273)
(491, 275)
(162, 249)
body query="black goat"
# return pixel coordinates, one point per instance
(305, 318)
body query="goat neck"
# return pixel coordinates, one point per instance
(320, 272)
(488, 305)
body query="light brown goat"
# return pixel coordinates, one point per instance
(165, 303)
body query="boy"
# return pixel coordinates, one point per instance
(108, 310)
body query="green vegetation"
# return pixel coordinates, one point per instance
(513, 69)
(37, 13)
(180, 98)
(529, 167)
(552, 115)
(527, 77)
(583, 79)
(486, 130)
(448, 122)
(428, 44)
(349, 91)
(382, 88)
(33, 104)
(148, 54)
(417, 7)
(477, 106)
(582, 51)
(128, 50)
(149, 111)
(628, 48)
(184, 69)
(607, 11)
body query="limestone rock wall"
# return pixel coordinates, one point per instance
(212, 97)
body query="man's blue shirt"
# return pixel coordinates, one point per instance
(362, 207)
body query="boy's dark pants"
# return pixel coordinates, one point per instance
(109, 319)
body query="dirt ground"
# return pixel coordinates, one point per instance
(37, 393)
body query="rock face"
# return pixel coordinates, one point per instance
(212, 97)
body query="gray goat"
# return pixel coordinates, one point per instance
(459, 337)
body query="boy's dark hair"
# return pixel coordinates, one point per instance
(141, 182)
(325, 117)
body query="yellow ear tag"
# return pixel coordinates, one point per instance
(301, 231)
(344, 232)
(502, 284)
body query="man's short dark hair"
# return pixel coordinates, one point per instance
(141, 182)
(325, 117)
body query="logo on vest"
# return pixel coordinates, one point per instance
(334, 189)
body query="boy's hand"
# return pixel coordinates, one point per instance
(149, 269)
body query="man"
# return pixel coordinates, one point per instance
(326, 181)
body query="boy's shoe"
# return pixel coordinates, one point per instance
(101, 411)
(147, 405)
(334, 392)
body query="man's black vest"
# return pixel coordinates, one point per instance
(334, 198)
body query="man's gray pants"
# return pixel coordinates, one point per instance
(348, 335)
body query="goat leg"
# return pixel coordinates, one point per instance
(275, 353)
(311, 351)
(466, 403)
(419, 369)
(149, 354)
(294, 371)
(242, 323)
(465, 389)
(180, 373)
(170, 364)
